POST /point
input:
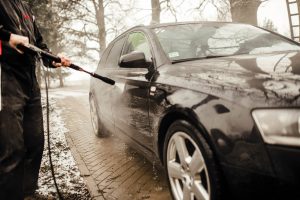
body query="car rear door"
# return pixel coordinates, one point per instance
(131, 93)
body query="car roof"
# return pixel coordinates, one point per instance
(180, 23)
(153, 26)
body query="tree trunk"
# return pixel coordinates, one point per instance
(155, 11)
(61, 79)
(244, 11)
(99, 9)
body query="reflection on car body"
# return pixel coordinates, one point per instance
(203, 98)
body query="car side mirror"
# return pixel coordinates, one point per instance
(134, 59)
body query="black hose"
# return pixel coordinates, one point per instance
(46, 77)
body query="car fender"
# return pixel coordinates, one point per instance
(228, 128)
(171, 104)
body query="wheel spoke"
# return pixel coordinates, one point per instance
(197, 163)
(199, 191)
(186, 193)
(181, 149)
(174, 170)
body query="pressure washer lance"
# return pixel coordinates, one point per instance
(31, 49)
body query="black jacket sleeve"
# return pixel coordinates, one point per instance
(4, 35)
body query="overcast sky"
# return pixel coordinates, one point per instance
(276, 10)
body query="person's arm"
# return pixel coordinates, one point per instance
(12, 39)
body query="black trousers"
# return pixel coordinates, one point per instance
(21, 135)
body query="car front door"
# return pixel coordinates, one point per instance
(131, 94)
(107, 66)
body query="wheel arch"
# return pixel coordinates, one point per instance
(180, 114)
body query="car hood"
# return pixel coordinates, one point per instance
(263, 80)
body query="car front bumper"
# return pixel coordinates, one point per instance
(286, 163)
(284, 183)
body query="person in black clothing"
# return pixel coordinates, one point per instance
(21, 122)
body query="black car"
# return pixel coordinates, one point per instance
(217, 103)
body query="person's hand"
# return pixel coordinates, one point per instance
(65, 62)
(17, 39)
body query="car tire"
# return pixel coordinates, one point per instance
(190, 164)
(95, 119)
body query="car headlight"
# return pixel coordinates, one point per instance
(279, 126)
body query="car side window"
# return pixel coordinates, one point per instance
(137, 41)
(115, 53)
(103, 59)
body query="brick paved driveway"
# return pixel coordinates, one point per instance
(110, 168)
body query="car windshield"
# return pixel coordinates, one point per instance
(196, 41)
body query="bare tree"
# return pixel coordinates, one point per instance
(51, 15)
(100, 18)
(269, 25)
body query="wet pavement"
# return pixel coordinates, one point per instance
(110, 168)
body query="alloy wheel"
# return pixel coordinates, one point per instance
(188, 175)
